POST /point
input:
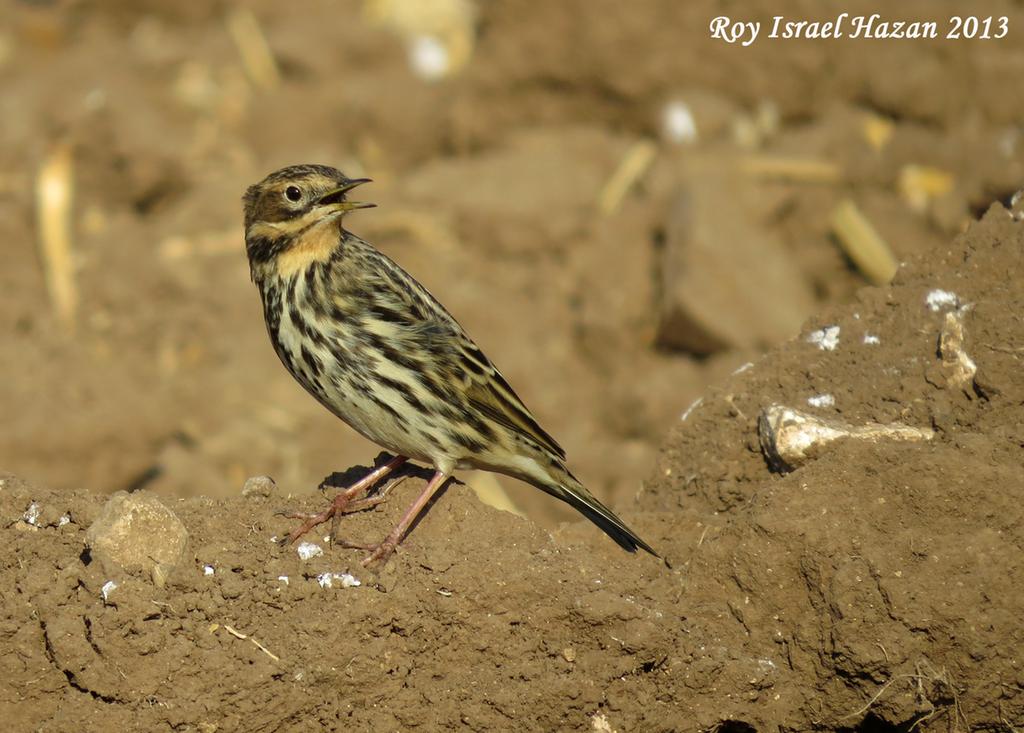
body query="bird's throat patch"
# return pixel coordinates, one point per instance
(315, 244)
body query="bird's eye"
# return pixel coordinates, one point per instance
(292, 193)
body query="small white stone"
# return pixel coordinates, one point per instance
(344, 580)
(107, 589)
(283, 579)
(677, 122)
(937, 299)
(871, 339)
(348, 581)
(208, 570)
(826, 339)
(428, 57)
(821, 400)
(65, 519)
(31, 514)
(309, 550)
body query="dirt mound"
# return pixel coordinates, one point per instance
(875, 588)
(622, 211)
(885, 572)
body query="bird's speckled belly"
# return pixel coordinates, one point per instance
(350, 396)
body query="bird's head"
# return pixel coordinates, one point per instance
(293, 201)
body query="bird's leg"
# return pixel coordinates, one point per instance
(343, 502)
(383, 551)
(368, 502)
(359, 505)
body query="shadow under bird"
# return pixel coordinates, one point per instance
(376, 349)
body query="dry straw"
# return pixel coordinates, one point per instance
(863, 244)
(54, 193)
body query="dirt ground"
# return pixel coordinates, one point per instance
(876, 588)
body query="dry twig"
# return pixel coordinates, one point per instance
(240, 635)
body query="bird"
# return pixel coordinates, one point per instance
(374, 347)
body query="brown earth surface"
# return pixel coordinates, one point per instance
(875, 589)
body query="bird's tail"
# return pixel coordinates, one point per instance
(563, 485)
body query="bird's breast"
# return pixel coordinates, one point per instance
(297, 333)
(327, 351)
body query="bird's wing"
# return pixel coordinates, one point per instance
(485, 389)
(492, 396)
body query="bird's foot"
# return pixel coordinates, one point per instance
(343, 503)
(380, 553)
(309, 522)
(353, 506)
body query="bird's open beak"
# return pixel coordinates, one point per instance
(335, 198)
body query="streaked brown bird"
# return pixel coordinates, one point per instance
(376, 349)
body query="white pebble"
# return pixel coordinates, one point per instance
(936, 300)
(821, 400)
(677, 123)
(283, 579)
(827, 338)
(344, 580)
(31, 514)
(871, 339)
(428, 57)
(208, 570)
(309, 550)
(348, 581)
(107, 589)
(65, 519)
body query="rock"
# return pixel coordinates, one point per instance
(958, 366)
(712, 116)
(137, 533)
(260, 487)
(726, 280)
(789, 438)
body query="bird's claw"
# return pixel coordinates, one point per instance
(380, 553)
(344, 504)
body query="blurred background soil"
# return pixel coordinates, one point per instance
(619, 209)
